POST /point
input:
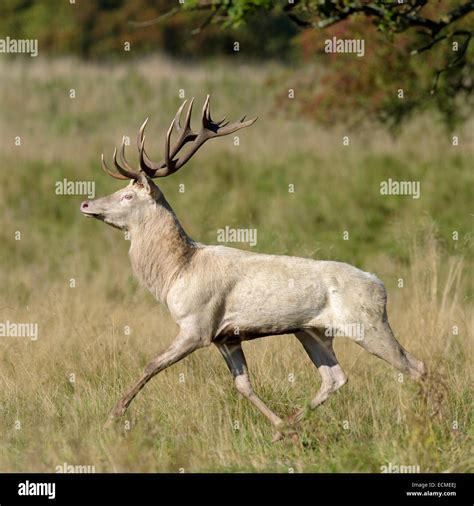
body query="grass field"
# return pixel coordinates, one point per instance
(98, 328)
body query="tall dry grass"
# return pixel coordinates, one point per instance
(95, 337)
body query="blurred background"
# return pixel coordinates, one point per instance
(404, 46)
(332, 127)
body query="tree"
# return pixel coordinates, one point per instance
(420, 47)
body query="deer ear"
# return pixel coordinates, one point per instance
(148, 184)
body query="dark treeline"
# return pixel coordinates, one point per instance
(98, 29)
(400, 70)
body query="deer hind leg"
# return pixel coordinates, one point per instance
(235, 360)
(180, 348)
(381, 342)
(320, 350)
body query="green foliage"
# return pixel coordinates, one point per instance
(438, 77)
(239, 11)
(387, 84)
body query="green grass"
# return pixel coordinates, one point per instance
(374, 420)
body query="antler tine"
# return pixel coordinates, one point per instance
(168, 160)
(129, 174)
(211, 129)
(109, 172)
(177, 116)
(146, 164)
(141, 151)
(219, 128)
(123, 159)
(233, 127)
(185, 134)
(206, 113)
(140, 133)
(171, 164)
(187, 124)
(143, 164)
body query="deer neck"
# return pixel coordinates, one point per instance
(159, 250)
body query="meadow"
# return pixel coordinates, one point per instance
(98, 328)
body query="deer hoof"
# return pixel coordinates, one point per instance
(296, 417)
(114, 416)
(291, 433)
(108, 423)
(295, 438)
(111, 421)
(278, 436)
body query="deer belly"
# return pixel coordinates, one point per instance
(263, 321)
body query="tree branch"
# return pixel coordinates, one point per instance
(156, 20)
(204, 6)
(439, 39)
(458, 12)
(457, 62)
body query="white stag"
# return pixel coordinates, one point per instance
(224, 296)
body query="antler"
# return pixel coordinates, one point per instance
(209, 130)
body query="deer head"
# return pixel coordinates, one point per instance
(133, 203)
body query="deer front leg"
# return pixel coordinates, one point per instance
(235, 360)
(182, 346)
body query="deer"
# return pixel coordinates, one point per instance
(224, 296)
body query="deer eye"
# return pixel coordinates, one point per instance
(128, 196)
